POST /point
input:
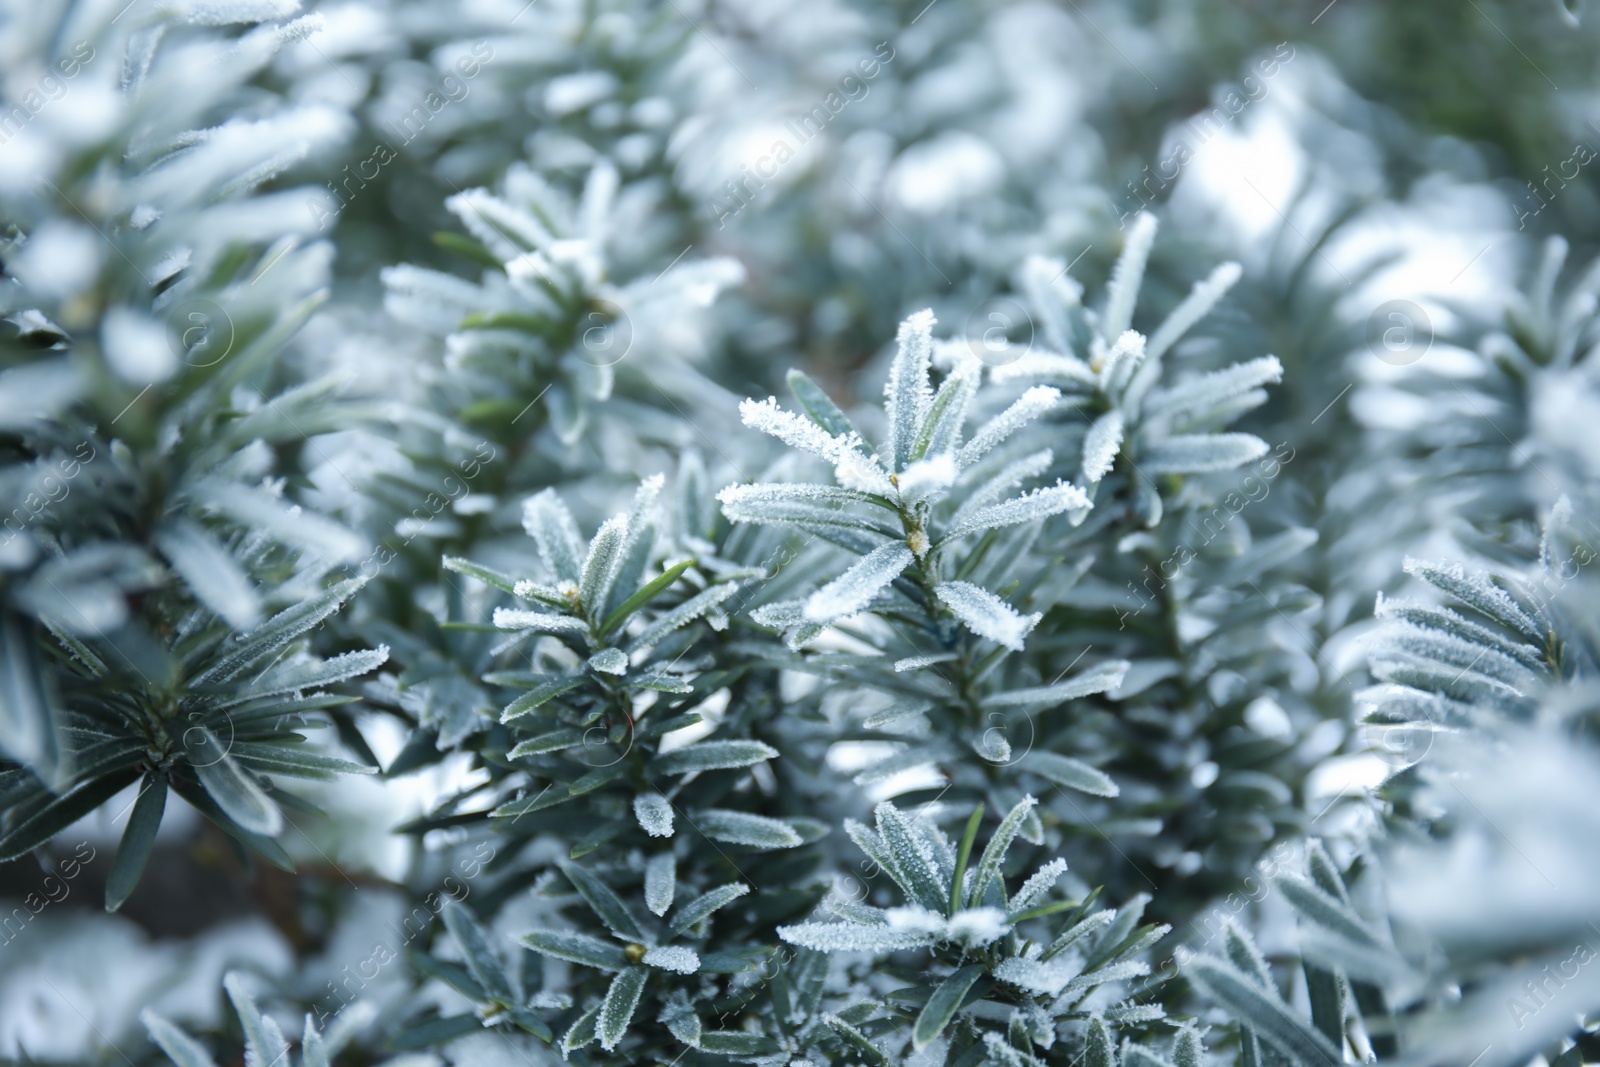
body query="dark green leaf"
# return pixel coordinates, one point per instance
(944, 1003)
(643, 597)
(137, 839)
(62, 812)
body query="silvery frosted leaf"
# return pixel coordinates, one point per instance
(927, 479)
(654, 813)
(1457, 625)
(1030, 405)
(211, 572)
(264, 1044)
(868, 841)
(1187, 1050)
(1086, 927)
(788, 615)
(633, 555)
(312, 674)
(1009, 477)
(1067, 371)
(313, 1053)
(907, 394)
(1039, 504)
(581, 1033)
(525, 621)
(854, 937)
(680, 1019)
(714, 755)
(1201, 299)
(1467, 686)
(603, 900)
(1479, 592)
(695, 912)
(1097, 679)
(254, 509)
(943, 1004)
(1111, 972)
(1051, 291)
(1198, 394)
(344, 1027)
(1099, 1049)
(184, 1050)
(1242, 953)
(538, 696)
(617, 1010)
(1134, 1056)
(853, 590)
(796, 431)
(986, 614)
(477, 952)
(744, 828)
(941, 430)
(1201, 453)
(660, 878)
(913, 858)
(1048, 978)
(546, 519)
(1447, 649)
(505, 230)
(30, 731)
(1068, 772)
(1038, 884)
(230, 785)
(1127, 275)
(863, 474)
(673, 958)
(577, 948)
(1101, 445)
(1263, 1010)
(278, 631)
(1317, 907)
(600, 564)
(992, 746)
(683, 615)
(1119, 362)
(909, 663)
(749, 504)
(994, 853)
(609, 661)
(977, 927)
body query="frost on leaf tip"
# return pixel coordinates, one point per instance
(986, 614)
(977, 927)
(907, 393)
(853, 590)
(654, 814)
(794, 430)
(673, 958)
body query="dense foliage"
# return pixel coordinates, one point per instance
(863, 533)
